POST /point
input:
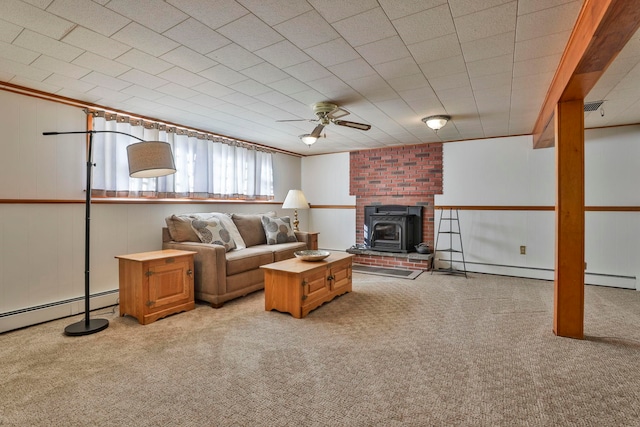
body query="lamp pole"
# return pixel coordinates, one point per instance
(88, 326)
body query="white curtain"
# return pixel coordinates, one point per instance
(207, 167)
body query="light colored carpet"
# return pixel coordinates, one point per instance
(438, 350)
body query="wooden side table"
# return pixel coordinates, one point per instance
(312, 239)
(156, 284)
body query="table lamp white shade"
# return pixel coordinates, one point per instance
(295, 200)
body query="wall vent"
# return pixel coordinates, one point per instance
(592, 106)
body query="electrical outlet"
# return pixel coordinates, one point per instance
(523, 250)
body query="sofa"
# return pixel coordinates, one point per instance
(230, 248)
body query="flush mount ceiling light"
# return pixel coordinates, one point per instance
(436, 122)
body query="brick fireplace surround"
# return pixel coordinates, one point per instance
(405, 175)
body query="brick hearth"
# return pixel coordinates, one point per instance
(407, 175)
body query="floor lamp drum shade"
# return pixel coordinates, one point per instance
(150, 159)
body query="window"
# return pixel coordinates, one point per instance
(208, 166)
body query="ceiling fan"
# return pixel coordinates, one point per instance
(326, 114)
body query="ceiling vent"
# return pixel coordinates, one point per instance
(592, 106)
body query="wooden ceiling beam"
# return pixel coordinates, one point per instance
(603, 28)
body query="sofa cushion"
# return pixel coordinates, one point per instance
(213, 231)
(247, 259)
(278, 230)
(250, 227)
(283, 251)
(180, 228)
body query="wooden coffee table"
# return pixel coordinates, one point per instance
(297, 287)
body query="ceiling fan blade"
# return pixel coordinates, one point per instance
(337, 112)
(354, 125)
(297, 120)
(316, 132)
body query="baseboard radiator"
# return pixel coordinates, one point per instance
(29, 316)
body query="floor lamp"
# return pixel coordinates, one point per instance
(146, 160)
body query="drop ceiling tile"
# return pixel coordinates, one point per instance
(17, 53)
(273, 98)
(98, 63)
(548, 21)
(443, 67)
(530, 6)
(25, 71)
(307, 30)
(250, 87)
(154, 14)
(96, 43)
(282, 54)
(30, 83)
(486, 23)
(206, 101)
(182, 77)
(307, 71)
(28, 16)
(144, 62)
(105, 81)
(265, 73)
(213, 89)
(107, 96)
(489, 47)
(498, 64)
(422, 93)
(143, 79)
(541, 47)
(250, 33)
(92, 15)
(352, 69)
(492, 81)
(332, 52)
(68, 83)
(213, 13)
(9, 31)
(406, 83)
(274, 12)
(384, 50)
(43, 44)
(466, 7)
(54, 65)
(367, 27)
(398, 9)
(235, 57)
(223, 75)
(138, 104)
(435, 49)
(426, 25)
(42, 4)
(188, 59)
(177, 90)
(330, 85)
(142, 38)
(80, 96)
(455, 92)
(336, 10)
(239, 99)
(537, 65)
(197, 36)
(289, 85)
(309, 97)
(142, 92)
(397, 68)
(450, 81)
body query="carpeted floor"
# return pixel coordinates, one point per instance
(435, 351)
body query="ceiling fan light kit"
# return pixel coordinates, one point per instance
(436, 122)
(308, 139)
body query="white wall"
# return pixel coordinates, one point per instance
(42, 245)
(508, 171)
(325, 181)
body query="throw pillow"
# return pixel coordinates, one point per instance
(250, 228)
(214, 232)
(228, 223)
(180, 228)
(278, 230)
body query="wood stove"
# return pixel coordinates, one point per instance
(392, 228)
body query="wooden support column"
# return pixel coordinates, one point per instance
(568, 310)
